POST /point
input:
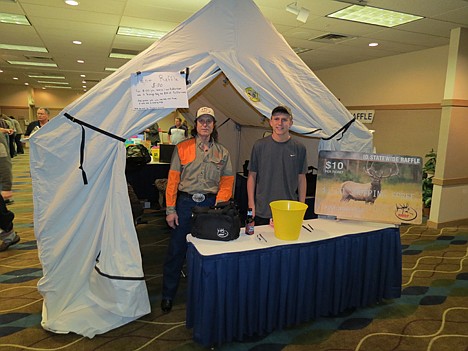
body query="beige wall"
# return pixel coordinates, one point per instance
(413, 78)
(405, 91)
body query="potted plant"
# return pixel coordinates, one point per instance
(428, 173)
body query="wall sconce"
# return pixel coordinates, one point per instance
(302, 13)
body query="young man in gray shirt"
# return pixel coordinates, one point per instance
(277, 168)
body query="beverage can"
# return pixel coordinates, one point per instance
(249, 223)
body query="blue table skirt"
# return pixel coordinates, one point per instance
(235, 295)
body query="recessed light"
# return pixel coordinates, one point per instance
(84, 86)
(57, 87)
(28, 63)
(15, 78)
(76, 42)
(46, 77)
(82, 75)
(72, 2)
(14, 19)
(83, 81)
(1, 71)
(374, 15)
(373, 44)
(23, 48)
(138, 32)
(110, 69)
(121, 56)
(51, 82)
(26, 83)
(80, 61)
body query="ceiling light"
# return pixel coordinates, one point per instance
(45, 77)
(80, 61)
(22, 48)
(26, 83)
(14, 19)
(72, 2)
(30, 63)
(76, 42)
(1, 71)
(110, 69)
(374, 15)
(15, 78)
(50, 82)
(138, 32)
(301, 13)
(121, 56)
(82, 75)
(373, 44)
(57, 87)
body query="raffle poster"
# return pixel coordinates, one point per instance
(369, 187)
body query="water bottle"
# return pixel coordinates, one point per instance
(249, 223)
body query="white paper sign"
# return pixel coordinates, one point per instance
(157, 90)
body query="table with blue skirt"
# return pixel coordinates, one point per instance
(259, 283)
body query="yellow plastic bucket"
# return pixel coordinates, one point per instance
(155, 153)
(287, 218)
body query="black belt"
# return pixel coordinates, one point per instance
(197, 197)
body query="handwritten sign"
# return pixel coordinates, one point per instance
(157, 90)
(370, 187)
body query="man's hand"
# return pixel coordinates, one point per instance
(172, 220)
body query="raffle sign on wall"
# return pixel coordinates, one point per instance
(369, 187)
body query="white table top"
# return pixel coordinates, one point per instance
(323, 229)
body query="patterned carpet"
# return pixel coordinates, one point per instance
(431, 315)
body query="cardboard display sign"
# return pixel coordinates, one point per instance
(369, 187)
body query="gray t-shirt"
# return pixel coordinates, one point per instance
(277, 166)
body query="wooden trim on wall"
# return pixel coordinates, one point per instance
(454, 223)
(450, 181)
(397, 107)
(454, 103)
(14, 107)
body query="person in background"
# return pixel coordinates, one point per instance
(6, 175)
(8, 237)
(19, 133)
(43, 115)
(10, 136)
(177, 132)
(152, 134)
(200, 175)
(277, 168)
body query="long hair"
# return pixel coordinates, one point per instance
(214, 133)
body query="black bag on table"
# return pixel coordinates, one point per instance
(220, 222)
(137, 155)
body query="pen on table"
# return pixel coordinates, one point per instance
(310, 226)
(303, 226)
(262, 237)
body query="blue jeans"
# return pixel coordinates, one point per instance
(178, 244)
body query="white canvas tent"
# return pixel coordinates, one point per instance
(92, 271)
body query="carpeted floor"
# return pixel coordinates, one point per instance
(432, 313)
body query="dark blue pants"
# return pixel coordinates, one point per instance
(178, 244)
